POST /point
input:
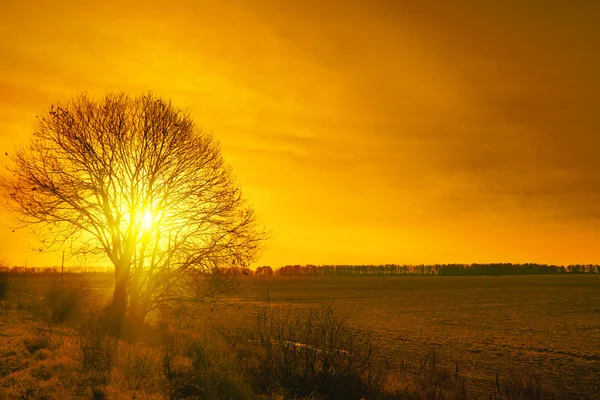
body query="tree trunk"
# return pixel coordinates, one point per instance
(119, 302)
(138, 312)
(118, 307)
(137, 307)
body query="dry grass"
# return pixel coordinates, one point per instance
(546, 324)
(311, 352)
(293, 348)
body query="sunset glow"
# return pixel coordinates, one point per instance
(362, 132)
(147, 221)
(300, 199)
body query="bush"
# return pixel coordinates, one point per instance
(65, 301)
(309, 353)
(201, 369)
(96, 351)
(140, 366)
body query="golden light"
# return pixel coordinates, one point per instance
(147, 220)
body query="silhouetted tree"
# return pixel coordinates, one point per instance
(135, 179)
(264, 271)
(438, 269)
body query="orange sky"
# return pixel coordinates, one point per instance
(362, 131)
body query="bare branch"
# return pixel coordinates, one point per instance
(135, 179)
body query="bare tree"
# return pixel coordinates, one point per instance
(135, 179)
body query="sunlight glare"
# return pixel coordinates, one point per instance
(147, 220)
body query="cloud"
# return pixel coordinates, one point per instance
(392, 118)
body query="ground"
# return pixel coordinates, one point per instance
(547, 323)
(543, 326)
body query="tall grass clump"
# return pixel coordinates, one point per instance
(310, 352)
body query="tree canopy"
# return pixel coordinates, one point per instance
(134, 179)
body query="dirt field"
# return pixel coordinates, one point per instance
(546, 324)
(550, 324)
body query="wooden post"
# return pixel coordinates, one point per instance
(62, 269)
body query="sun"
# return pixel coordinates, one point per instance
(147, 220)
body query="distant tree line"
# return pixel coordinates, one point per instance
(245, 271)
(17, 270)
(357, 270)
(436, 269)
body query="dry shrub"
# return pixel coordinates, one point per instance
(520, 384)
(95, 351)
(139, 365)
(434, 382)
(311, 352)
(198, 365)
(65, 301)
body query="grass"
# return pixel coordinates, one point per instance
(380, 338)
